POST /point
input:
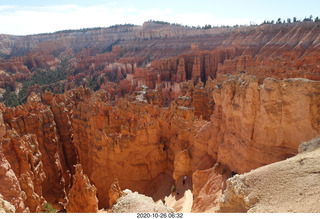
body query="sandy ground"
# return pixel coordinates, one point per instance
(160, 187)
(160, 191)
(183, 201)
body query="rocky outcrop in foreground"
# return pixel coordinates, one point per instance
(291, 185)
(133, 202)
(6, 207)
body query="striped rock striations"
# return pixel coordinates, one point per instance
(161, 113)
(139, 143)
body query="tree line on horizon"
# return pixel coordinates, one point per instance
(207, 26)
(294, 20)
(278, 21)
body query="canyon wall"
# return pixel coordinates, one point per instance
(167, 108)
(122, 58)
(34, 123)
(254, 125)
(144, 145)
(129, 141)
(155, 41)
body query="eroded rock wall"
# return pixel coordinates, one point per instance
(132, 141)
(262, 124)
(37, 119)
(252, 125)
(139, 142)
(82, 196)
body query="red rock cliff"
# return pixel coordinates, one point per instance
(156, 135)
(37, 119)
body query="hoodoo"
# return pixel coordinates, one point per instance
(161, 118)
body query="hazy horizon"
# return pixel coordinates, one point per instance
(18, 17)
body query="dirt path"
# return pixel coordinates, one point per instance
(183, 201)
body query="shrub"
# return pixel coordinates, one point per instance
(48, 208)
(173, 188)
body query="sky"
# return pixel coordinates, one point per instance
(23, 17)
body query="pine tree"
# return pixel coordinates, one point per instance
(310, 18)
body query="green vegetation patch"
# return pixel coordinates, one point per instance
(41, 77)
(48, 208)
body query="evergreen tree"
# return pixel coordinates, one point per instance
(310, 18)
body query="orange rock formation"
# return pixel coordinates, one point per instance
(82, 195)
(37, 119)
(114, 193)
(254, 125)
(167, 113)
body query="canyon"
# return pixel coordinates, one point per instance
(140, 107)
